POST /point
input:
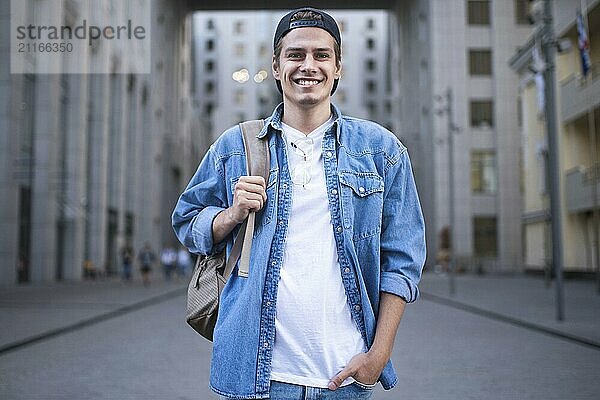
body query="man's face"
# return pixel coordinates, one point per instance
(307, 67)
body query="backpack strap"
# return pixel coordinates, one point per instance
(257, 163)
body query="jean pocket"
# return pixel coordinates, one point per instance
(364, 386)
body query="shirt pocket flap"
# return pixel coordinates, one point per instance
(362, 183)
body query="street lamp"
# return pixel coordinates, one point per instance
(447, 109)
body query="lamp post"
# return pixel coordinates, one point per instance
(452, 128)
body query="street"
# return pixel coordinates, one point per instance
(441, 352)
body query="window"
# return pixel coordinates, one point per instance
(478, 12)
(370, 23)
(210, 44)
(370, 65)
(480, 62)
(209, 87)
(482, 113)
(239, 27)
(483, 172)
(240, 97)
(210, 24)
(522, 12)
(372, 107)
(371, 87)
(208, 108)
(370, 44)
(240, 50)
(209, 66)
(485, 236)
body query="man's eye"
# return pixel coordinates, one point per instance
(294, 55)
(322, 55)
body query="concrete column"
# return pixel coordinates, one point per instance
(45, 178)
(97, 159)
(75, 184)
(10, 104)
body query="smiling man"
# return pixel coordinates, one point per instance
(339, 243)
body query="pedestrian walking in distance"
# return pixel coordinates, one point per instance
(339, 241)
(146, 258)
(127, 257)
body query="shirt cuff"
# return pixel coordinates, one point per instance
(394, 283)
(202, 232)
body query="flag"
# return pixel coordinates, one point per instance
(583, 44)
(539, 66)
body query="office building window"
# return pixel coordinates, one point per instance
(209, 66)
(240, 50)
(480, 62)
(483, 172)
(210, 24)
(210, 44)
(370, 23)
(370, 44)
(478, 12)
(371, 86)
(370, 65)
(485, 233)
(209, 87)
(208, 109)
(239, 27)
(482, 113)
(522, 12)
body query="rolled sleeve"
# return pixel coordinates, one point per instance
(201, 201)
(403, 233)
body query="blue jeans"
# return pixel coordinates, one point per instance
(288, 391)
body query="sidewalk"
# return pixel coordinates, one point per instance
(522, 300)
(31, 312)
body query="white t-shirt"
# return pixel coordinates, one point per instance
(315, 335)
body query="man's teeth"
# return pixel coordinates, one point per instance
(305, 82)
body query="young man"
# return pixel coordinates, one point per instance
(339, 242)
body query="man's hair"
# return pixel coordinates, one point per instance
(308, 16)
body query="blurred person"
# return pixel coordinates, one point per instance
(146, 258)
(168, 259)
(127, 261)
(339, 244)
(184, 262)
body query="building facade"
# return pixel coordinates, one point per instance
(462, 48)
(92, 161)
(578, 115)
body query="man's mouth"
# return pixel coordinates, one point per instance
(307, 82)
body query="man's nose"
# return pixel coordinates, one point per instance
(308, 64)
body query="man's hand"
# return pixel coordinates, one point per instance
(364, 368)
(249, 194)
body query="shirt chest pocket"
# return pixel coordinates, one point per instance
(362, 202)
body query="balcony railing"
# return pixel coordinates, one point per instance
(580, 188)
(578, 96)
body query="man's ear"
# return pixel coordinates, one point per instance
(275, 68)
(338, 71)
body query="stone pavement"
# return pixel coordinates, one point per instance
(523, 300)
(496, 338)
(29, 313)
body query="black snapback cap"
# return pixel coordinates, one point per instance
(327, 23)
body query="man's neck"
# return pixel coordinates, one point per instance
(306, 119)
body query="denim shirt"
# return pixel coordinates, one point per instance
(378, 228)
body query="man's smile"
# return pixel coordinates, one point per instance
(307, 82)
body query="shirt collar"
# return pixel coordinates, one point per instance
(274, 121)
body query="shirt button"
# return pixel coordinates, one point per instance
(361, 189)
(334, 192)
(285, 186)
(280, 223)
(268, 304)
(274, 263)
(346, 270)
(339, 229)
(328, 154)
(266, 345)
(357, 307)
